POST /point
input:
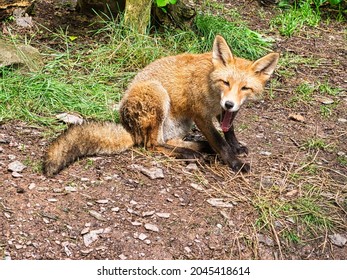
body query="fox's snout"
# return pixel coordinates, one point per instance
(231, 105)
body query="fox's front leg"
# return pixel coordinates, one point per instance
(220, 146)
(231, 139)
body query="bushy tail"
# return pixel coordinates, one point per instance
(85, 140)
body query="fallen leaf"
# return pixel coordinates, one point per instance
(296, 117)
(68, 118)
(325, 100)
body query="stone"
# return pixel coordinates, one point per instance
(148, 213)
(196, 187)
(153, 172)
(16, 175)
(142, 236)
(192, 166)
(70, 189)
(262, 238)
(97, 215)
(91, 236)
(151, 227)
(23, 57)
(16, 166)
(265, 153)
(325, 100)
(102, 201)
(219, 202)
(163, 215)
(338, 239)
(69, 118)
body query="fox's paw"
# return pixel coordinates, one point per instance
(237, 165)
(240, 149)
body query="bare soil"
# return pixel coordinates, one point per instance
(110, 200)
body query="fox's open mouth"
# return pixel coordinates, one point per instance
(227, 120)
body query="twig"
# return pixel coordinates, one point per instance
(307, 164)
(277, 240)
(335, 171)
(295, 143)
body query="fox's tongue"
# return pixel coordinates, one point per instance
(226, 122)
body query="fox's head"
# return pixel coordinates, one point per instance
(237, 79)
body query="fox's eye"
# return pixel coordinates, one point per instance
(245, 88)
(226, 83)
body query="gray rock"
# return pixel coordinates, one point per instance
(92, 236)
(265, 240)
(338, 239)
(265, 153)
(192, 166)
(16, 175)
(325, 100)
(20, 56)
(148, 213)
(151, 227)
(97, 215)
(219, 202)
(102, 201)
(196, 187)
(142, 236)
(163, 215)
(68, 118)
(16, 166)
(70, 189)
(153, 172)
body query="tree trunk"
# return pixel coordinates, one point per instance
(138, 14)
(180, 15)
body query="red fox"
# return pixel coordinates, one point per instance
(164, 100)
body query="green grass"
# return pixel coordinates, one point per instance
(289, 64)
(303, 93)
(306, 93)
(342, 160)
(326, 89)
(292, 20)
(293, 219)
(244, 42)
(316, 143)
(86, 81)
(90, 80)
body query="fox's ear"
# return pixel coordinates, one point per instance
(266, 65)
(221, 52)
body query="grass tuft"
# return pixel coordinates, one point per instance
(292, 21)
(243, 41)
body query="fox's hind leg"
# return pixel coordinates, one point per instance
(143, 111)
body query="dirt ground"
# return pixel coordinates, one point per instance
(107, 208)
